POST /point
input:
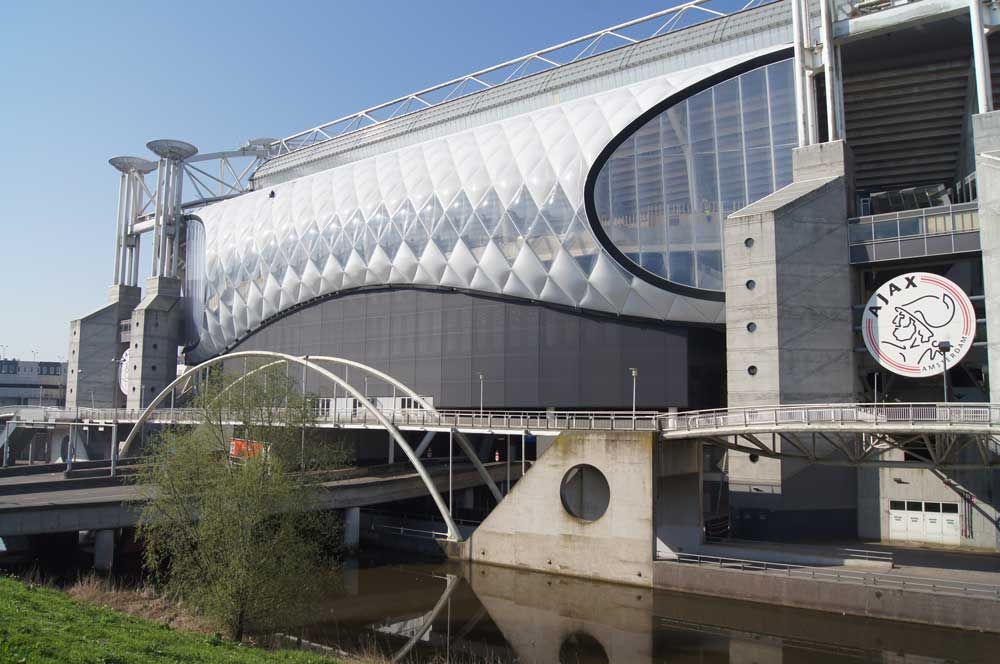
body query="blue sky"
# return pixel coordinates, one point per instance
(83, 81)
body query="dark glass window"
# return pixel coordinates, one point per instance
(914, 506)
(664, 193)
(949, 508)
(897, 505)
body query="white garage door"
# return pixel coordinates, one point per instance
(924, 521)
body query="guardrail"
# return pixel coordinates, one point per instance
(980, 416)
(898, 581)
(871, 415)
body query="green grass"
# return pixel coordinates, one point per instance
(40, 624)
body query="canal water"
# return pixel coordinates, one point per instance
(464, 613)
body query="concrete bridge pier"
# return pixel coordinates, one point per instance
(104, 550)
(596, 505)
(352, 528)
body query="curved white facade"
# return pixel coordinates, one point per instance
(497, 209)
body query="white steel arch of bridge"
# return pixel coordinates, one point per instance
(463, 442)
(306, 364)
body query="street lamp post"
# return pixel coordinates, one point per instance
(116, 367)
(945, 347)
(635, 373)
(480, 392)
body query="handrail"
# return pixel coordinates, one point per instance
(624, 34)
(985, 416)
(899, 581)
(981, 415)
(922, 222)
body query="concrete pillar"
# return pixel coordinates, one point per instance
(94, 341)
(352, 528)
(533, 527)
(789, 317)
(104, 551)
(986, 147)
(678, 513)
(155, 337)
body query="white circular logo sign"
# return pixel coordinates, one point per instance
(906, 320)
(123, 372)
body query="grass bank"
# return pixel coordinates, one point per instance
(39, 624)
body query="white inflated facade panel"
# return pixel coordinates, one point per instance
(497, 209)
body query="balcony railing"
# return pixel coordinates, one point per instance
(913, 233)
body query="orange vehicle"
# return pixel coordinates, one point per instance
(245, 449)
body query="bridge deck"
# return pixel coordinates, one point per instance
(96, 507)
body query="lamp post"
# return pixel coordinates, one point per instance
(635, 373)
(116, 367)
(480, 392)
(945, 347)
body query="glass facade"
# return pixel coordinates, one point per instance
(662, 196)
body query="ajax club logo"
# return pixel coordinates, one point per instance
(906, 320)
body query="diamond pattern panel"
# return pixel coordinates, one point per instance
(497, 208)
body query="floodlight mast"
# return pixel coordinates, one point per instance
(166, 219)
(133, 172)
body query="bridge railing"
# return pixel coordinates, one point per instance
(520, 420)
(987, 415)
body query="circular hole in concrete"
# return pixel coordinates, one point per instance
(751, 284)
(754, 458)
(582, 648)
(751, 327)
(748, 242)
(752, 370)
(585, 492)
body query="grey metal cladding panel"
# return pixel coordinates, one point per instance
(427, 376)
(559, 357)
(939, 244)
(531, 356)
(601, 345)
(967, 241)
(648, 351)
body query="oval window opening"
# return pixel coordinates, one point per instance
(585, 492)
(662, 189)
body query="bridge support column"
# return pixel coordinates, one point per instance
(156, 328)
(986, 132)
(789, 327)
(678, 512)
(95, 343)
(584, 509)
(104, 551)
(352, 528)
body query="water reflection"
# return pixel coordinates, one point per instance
(473, 613)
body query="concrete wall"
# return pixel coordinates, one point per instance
(156, 334)
(876, 487)
(845, 598)
(789, 339)
(986, 132)
(94, 341)
(530, 529)
(678, 512)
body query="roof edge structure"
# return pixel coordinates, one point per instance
(675, 43)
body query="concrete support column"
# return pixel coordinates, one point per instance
(104, 551)
(789, 317)
(94, 344)
(352, 528)
(678, 513)
(986, 146)
(155, 337)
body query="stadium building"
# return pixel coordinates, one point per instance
(692, 210)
